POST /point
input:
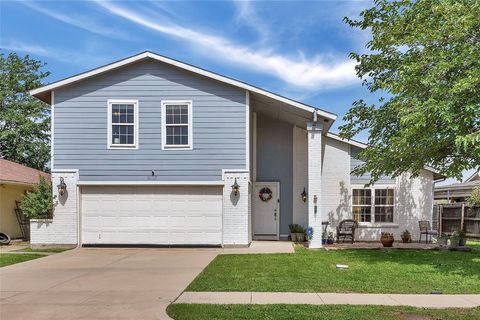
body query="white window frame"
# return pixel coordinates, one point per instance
(189, 125)
(110, 144)
(372, 210)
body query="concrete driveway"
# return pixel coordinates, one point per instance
(99, 283)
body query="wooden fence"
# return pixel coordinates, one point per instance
(448, 218)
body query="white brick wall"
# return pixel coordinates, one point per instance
(63, 228)
(237, 210)
(314, 136)
(335, 182)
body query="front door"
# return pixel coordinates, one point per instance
(266, 210)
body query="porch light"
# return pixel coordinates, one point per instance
(304, 195)
(235, 187)
(62, 187)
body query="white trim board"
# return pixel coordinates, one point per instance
(150, 183)
(247, 130)
(52, 129)
(147, 54)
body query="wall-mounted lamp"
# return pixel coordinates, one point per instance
(304, 195)
(235, 187)
(62, 187)
(315, 198)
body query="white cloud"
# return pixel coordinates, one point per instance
(82, 22)
(53, 53)
(247, 15)
(319, 73)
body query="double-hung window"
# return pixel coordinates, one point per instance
(122, 124)
(362, 205)
(383, 205)
(177, 125)
(373, 205)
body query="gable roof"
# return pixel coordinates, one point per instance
(436, 174)
(15, 173)
(473, 177)
(44, 93)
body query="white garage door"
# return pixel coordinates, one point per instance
(152, 215)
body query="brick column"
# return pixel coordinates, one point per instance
(314, 130)
(236, 209)
(62, 229)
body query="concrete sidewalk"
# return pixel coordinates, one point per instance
(414, 300)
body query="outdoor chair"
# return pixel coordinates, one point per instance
(346, 229)
(426, 229)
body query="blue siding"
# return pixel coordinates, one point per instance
(365, 178)
(219, 128)
(275, 162)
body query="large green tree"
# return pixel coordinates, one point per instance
(24, 120)
(424, 59)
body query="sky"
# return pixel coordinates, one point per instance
(293, 48)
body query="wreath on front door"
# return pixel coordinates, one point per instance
(265, 194)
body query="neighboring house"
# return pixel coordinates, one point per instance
(457, 192)
(150, 147)
(15, 181)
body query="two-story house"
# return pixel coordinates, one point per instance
(157, 151)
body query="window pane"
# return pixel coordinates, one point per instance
(176, 114)
(383, 214)
(123, 113)
(362, 213)
(115, 113)
(123, 134)
(177, 135)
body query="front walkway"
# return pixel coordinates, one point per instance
(414, 300)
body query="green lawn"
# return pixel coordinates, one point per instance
(12, 258)
(371, 271)
(331, 312)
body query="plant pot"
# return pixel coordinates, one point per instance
(406, 239)
(324, 242)
(387, 240)
(454, 242)
(329, 241)
(442, 241)
(300, 237)
(293, 236)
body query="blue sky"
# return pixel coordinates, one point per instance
(297, 49)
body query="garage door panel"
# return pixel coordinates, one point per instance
(151, 215)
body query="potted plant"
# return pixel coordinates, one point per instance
(293, 229)
(330, 239)
(406, 236)
(455, 239)
(300, 232)
(309, 234)
(443, 240)
(463, 238)
(387, 239)
(324, 237)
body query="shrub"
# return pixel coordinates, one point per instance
(296, 228)
(474, 199)
(38, 203)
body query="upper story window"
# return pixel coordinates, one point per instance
(122, 124)
(373, 205)
(177, 125)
